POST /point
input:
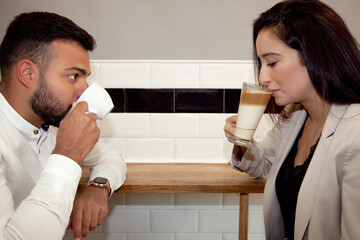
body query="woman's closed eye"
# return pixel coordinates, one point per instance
(271, 64)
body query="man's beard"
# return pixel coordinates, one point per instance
(47, 106)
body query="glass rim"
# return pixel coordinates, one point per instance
(261, 88)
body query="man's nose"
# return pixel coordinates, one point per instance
(82, 87)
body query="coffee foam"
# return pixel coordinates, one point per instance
(255, 97)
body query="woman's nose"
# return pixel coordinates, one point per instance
(264, 77)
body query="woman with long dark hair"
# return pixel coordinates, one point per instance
(306, 55)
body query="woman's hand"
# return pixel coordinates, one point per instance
(229, 127)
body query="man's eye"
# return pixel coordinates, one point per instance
(74, 76)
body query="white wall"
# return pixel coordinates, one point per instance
(167, 29)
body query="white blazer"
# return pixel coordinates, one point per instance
(328, 205)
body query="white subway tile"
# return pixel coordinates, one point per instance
(231, 201)
(174, 75)
(226, 221)
(95, 73)
(256, 221)
(120, 125)
(174, 125)
(149, 201)
(199, 149)
(117, 202)
(223, 75)
(228, 147)
(254, 236)
(252, 73)
(107, 236)
(256, 201)
(124, 75)
(127, 221)
(230, 236)
(212, 125)
(149, 148)
(117, 143)
(174, 220)
(198, 236)
(198, 201)
(149, 236)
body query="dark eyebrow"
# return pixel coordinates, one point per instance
(81, 70)
(270, 54)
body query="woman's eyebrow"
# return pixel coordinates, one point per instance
(270, 54)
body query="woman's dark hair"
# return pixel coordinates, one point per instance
(29, 36)
(325, 44)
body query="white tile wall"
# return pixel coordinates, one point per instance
(124, 75)
(174, 125)
(198, 201)
(128, 125)
(150, 201)
(199, 150)
(211, 125)
(174, 75)
(226, 221)
(199, 236)
(174, 221)
(149, 149)
(123, 221)
(150, 236)
(151, 137)
(223, 75)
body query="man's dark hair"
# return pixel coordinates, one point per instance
(29, 36)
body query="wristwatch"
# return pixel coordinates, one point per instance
(101, 182)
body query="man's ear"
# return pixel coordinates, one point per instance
(27, 73)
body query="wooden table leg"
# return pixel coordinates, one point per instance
(243, 216)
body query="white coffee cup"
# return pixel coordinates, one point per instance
(98, 99)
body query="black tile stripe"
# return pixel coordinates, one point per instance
(117, 95)
(176, 100)
(232, 98)
(149, 100)
(199, 101)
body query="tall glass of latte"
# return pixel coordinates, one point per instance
(253, 101)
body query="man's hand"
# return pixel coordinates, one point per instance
(77, 133)
(89, 211)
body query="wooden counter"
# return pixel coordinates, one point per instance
(190, 178)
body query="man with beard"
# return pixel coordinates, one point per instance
(44, 64)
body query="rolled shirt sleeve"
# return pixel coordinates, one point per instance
(49, 203)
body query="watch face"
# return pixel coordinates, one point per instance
(100, 180)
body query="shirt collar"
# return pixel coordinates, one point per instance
(23, 126)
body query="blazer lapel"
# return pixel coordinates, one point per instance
(309, 185)
(271, 204)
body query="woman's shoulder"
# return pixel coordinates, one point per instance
(353, 111)
(347, 118)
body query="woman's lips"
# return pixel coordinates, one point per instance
(275, 92)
